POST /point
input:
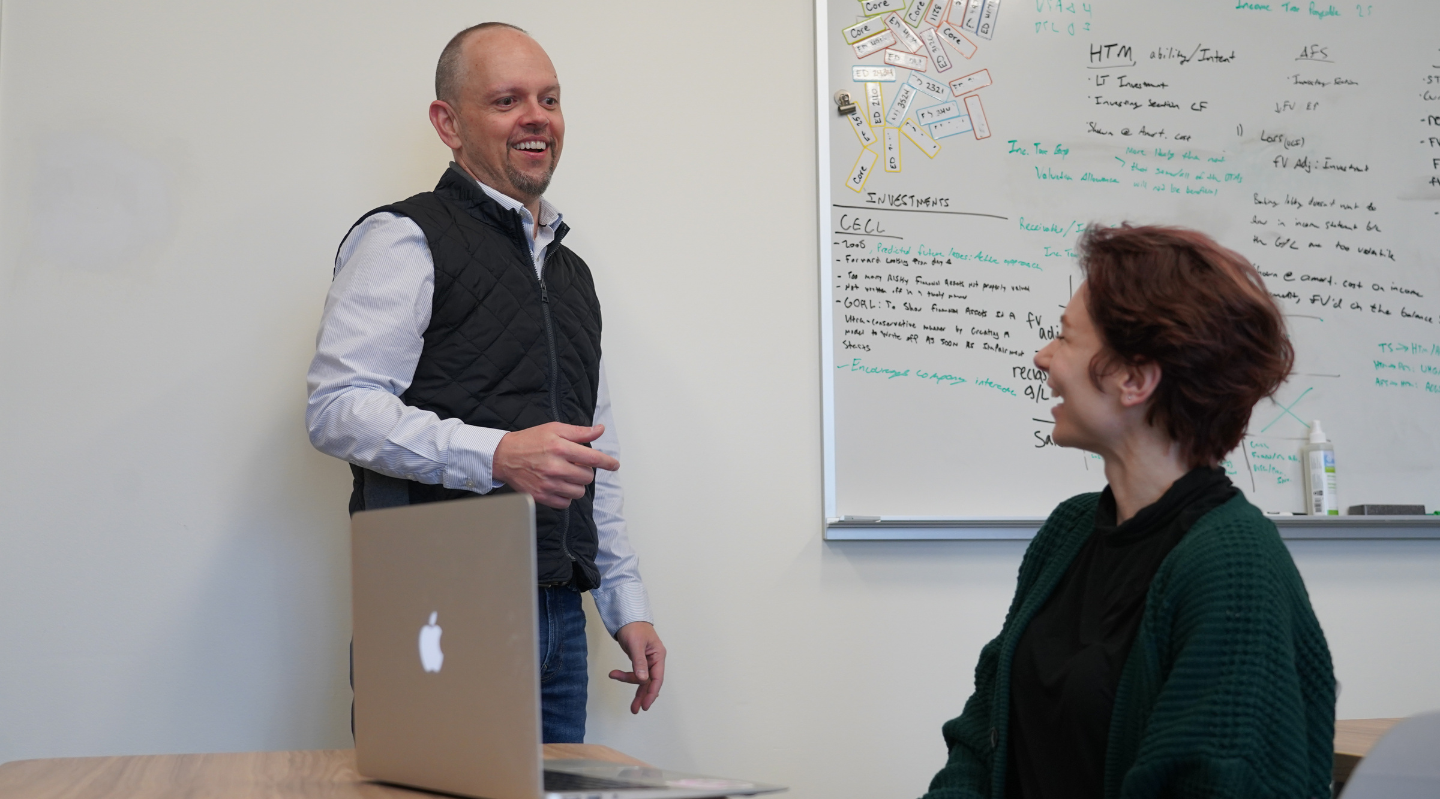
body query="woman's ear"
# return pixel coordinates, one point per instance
(1138, 382)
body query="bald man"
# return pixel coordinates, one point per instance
(459, 354)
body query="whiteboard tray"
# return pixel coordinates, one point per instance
(1023, 528)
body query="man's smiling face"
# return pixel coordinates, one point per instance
(508, 110)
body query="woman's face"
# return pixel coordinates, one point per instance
(1086, 418)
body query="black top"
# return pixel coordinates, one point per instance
(506, 349)
(1068, 661)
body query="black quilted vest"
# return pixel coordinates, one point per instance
(505, 350)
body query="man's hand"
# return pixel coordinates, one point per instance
(647, 658)
(548, 462)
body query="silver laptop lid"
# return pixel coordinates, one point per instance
(447, 693)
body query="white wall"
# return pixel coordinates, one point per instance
(174, 178)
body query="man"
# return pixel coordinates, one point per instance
(459, 354)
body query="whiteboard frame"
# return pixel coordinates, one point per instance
(822, 224)
(982, 528)
(1023, 528)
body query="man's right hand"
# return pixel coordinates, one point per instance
(548, 462)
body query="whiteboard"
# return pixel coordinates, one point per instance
(1304, 135)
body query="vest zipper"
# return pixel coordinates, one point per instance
(554, 391)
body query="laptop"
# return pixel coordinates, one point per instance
(447, 674)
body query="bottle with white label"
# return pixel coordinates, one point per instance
(1318, 461)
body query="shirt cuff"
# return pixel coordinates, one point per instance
(471, 457)
(622, 604)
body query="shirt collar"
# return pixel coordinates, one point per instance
(550, 216)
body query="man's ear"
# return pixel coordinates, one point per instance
(1138, 382)
(446, 122)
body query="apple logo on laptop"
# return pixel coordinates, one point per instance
(430, 655)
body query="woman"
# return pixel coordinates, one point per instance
(1160, 642)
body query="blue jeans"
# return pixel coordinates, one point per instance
(564, 673)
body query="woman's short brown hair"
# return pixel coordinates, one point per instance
(1174, 297)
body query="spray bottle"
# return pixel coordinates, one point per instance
(1318, 461)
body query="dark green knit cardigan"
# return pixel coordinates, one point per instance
(1228, 690)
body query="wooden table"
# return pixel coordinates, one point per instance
(1353, 739)
(311, 774)
(330, 773)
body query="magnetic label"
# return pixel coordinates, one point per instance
(901, 58)
(874, 105)
(925, 84)
(863, 73)
(951, 126)
(936, 50)
(875, 44)
(900, 106)
(920, 138)
(972, 16)
(892, 149)
(935, 14)
(916, 14)
(872, 8)
(977, 116)
(867, 136)
(860, 173)
(903, 32)
(861, 31)
(935, 113)
(986, 28)
(958, 40)
(973, 82)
